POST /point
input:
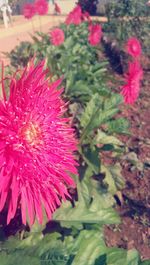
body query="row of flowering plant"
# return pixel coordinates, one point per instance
(39, 7)
(70, 51)
(76, 43)
(54, 145)
(131, 89)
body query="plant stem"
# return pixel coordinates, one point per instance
(33, 28)
(2, 89)
(40, 23)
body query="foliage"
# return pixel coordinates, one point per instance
(128, 17)
(88, 6)
(75, 60)
(84, 248)
(21, 54)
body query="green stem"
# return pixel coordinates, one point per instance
(40, 21)
(2, 88)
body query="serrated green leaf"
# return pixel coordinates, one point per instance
(35, 249)
(56, 255)
(79, 88)
(69, 216)
(120, 125)
(103, 138)
(91, 157)
(97, 112)
(90, 110)
(89, 248)
(133, 257)
(113, 177)
(113, 101)
(116, 256)
(68, 43)
(76, 48)
(18, 258)
(93, 190)
(85, 212)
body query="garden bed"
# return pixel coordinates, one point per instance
(72, 145)
(134, 206)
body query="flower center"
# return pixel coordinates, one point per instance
(32, 134)
(134, 48)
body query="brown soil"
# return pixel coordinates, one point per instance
(134, 201)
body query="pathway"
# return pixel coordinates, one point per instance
(22, 30)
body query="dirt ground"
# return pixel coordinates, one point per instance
(22, 29)
(134, 203)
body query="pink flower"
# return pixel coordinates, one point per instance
(131, 89)
(36, 147)
(75, 16)
(133, 47)
(57, 36)
(57, 8)
(86, 16)
(28, 10)
(95, 34)
(41, 7)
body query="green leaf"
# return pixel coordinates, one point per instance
(56, 254)
(35, 249)
(91, 157)
(113, 177)
(69, 43)
(103, 138)
(97, 112)
(113, 101)
(18, 258)
(89, 247)
(83, 211)
(79, 88)
(116, 256)
(69, 216)
(93, 190)
(76, 48)
(120, 125)
(90, 110)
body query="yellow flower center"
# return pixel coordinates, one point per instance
(32, 134)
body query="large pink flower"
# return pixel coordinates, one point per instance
(36, 147)
(57, 36)
(95, 34)
(28, 10)
(75, 16)
(41, 7)
(131, 89)
(133, 47)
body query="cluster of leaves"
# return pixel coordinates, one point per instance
(84, 247)
(89, 6)
(75, 60)
(78, 237)
(75, 236)
(126, 17)
(21, 54)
